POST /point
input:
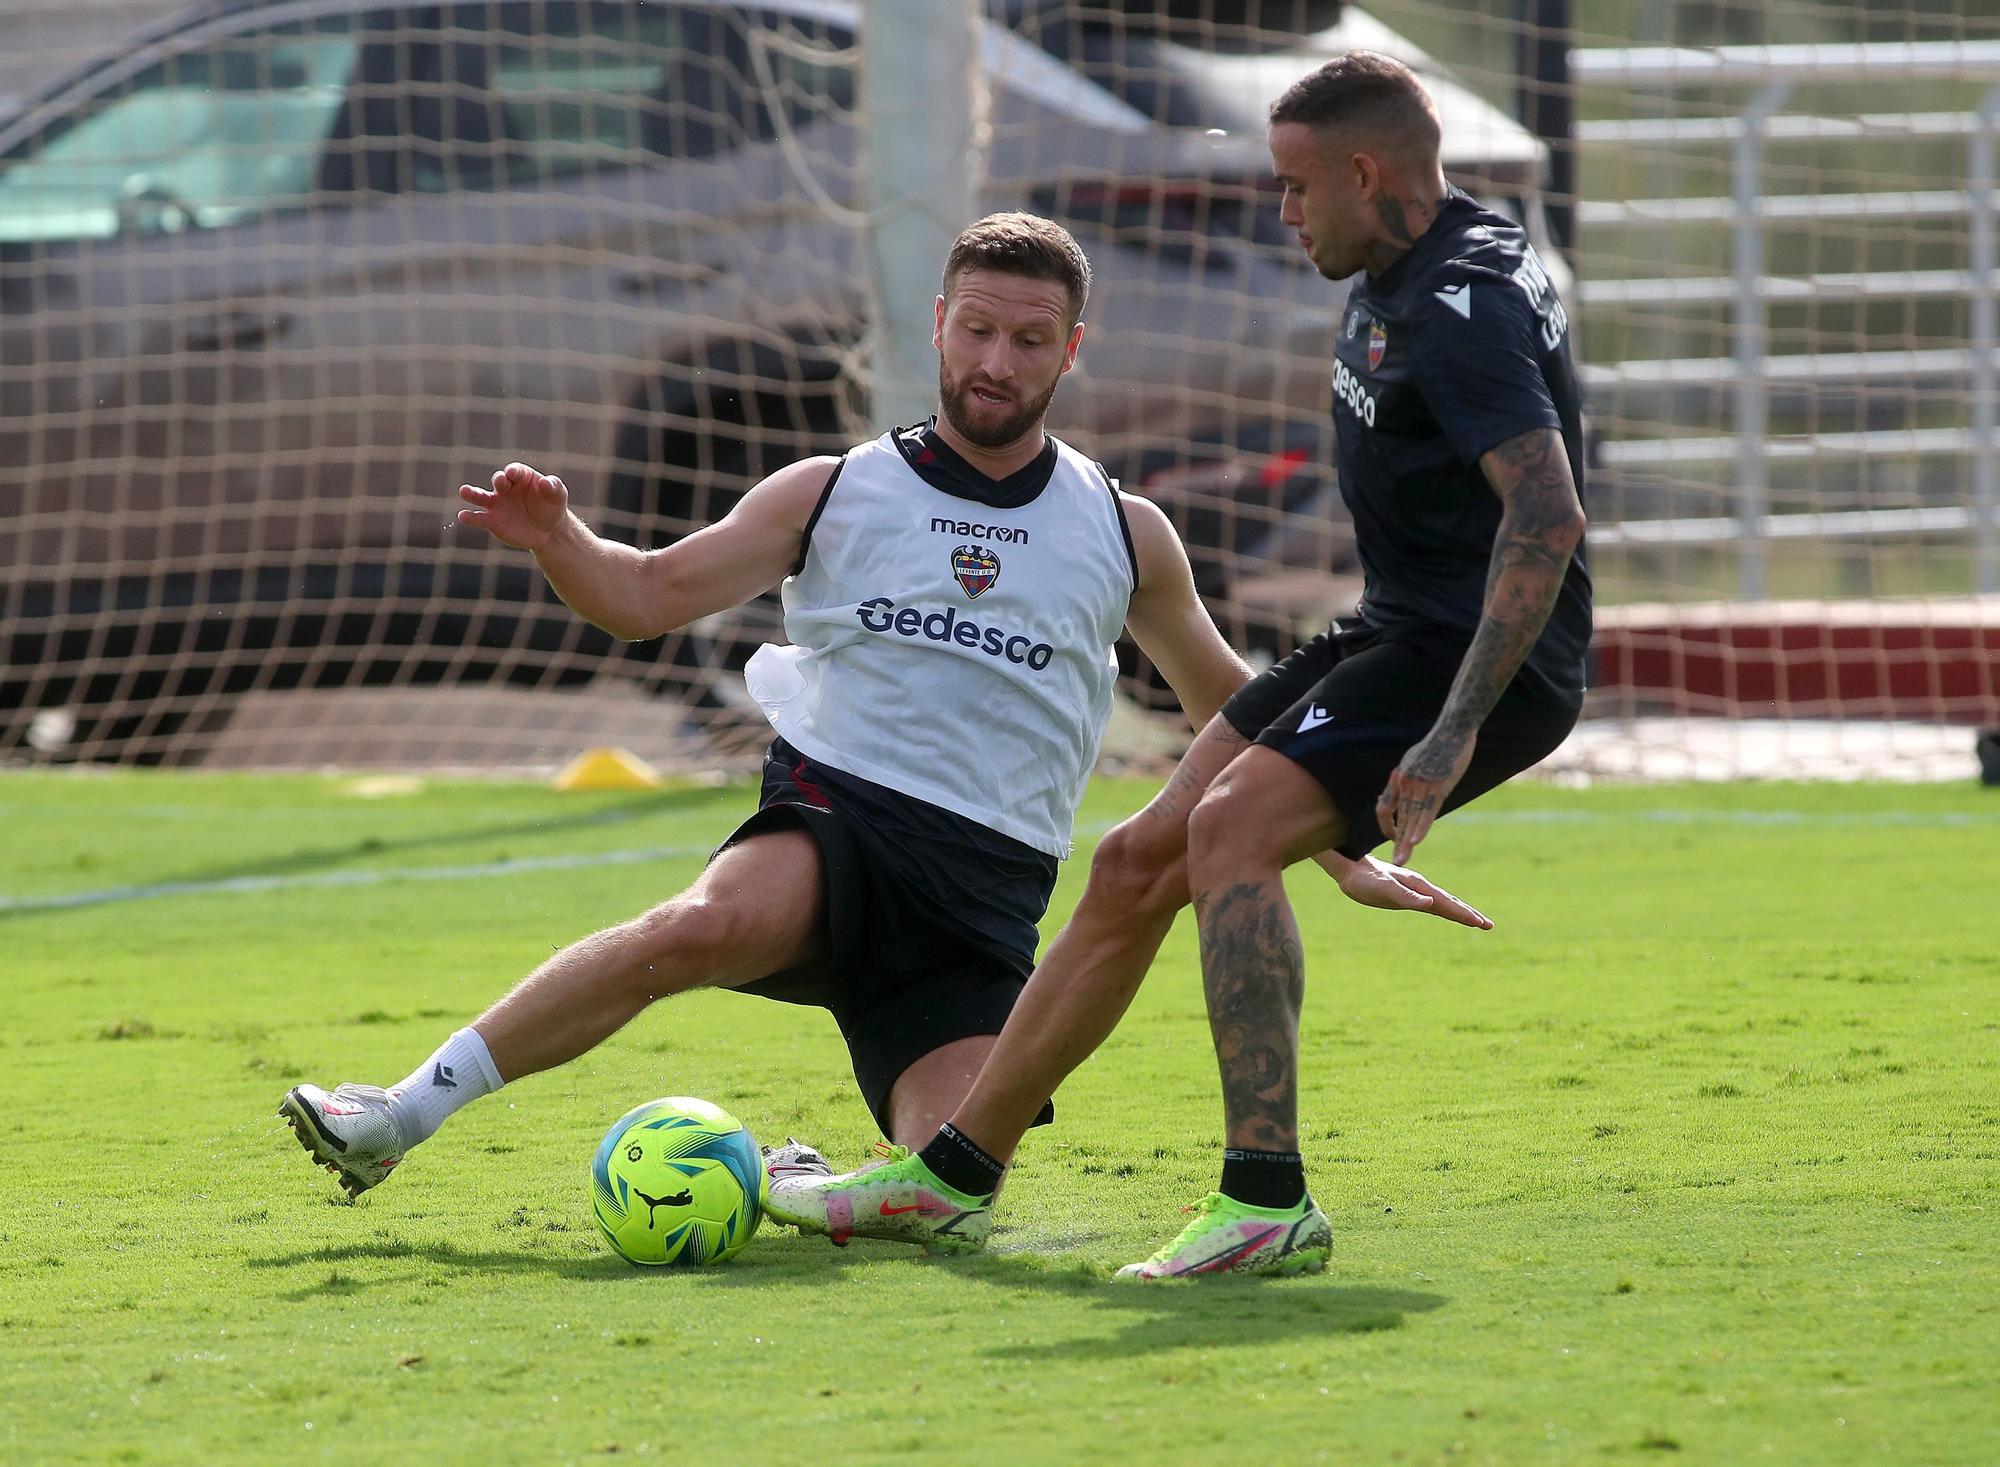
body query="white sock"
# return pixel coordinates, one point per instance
(460, 1071)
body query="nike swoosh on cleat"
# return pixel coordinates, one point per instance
(1229, 1256)
(888, 1211)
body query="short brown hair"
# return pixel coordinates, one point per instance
(1027, 245)
(1368, 90)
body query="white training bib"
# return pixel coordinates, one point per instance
(955, 652)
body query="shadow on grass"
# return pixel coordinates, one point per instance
(1218, 1314)
(1145, 1318)
(317, 859)
(778, 1258)
(1139, 1318)
(1131, 1318)
(600, 1269)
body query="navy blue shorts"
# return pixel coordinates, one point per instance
(1349, 704)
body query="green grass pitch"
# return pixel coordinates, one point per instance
(1696, 1158)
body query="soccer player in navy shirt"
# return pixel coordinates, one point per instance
(1456, 417)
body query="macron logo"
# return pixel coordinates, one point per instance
(1315, 716)
(1458, 297)
(441, 1075)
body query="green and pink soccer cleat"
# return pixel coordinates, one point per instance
(1227, 1236)
(896, 1198)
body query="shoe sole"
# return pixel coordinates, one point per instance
(321, 1146)
(807, 1227)
(1292, 1265)
(803, 1225)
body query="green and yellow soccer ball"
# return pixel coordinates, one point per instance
(677, 1181)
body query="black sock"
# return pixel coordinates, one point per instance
(1264, 1178)
(956, 1160)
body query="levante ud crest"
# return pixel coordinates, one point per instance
(976, 567)
(1378, 343)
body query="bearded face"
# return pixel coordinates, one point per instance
(1004, 342)
(988, 416)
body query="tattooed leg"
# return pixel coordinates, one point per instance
(1253, 974)
(1264, 814)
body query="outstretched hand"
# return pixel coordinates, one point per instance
(524, 508)
(1375, 883)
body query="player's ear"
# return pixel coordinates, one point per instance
(937, 331)
(1075, 341)
(1367, 174)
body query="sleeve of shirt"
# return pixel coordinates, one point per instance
(1477, 362)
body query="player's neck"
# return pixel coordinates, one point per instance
(994, 463)
(1406, 214)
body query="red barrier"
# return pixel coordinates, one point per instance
(1932, 661)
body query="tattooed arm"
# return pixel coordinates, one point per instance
(1541, 524)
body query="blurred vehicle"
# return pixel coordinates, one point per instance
(278, 274)
(1216, 65)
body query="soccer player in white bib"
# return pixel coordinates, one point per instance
(952, 592)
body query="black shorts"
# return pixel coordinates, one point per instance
(1349, 704)
(931, 918)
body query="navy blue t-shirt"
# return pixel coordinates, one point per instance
(1454, 349)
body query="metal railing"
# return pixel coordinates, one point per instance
(1771, 72)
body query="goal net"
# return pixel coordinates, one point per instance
(276, 279)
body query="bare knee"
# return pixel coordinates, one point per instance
(1135, 872)
(1222, 835)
